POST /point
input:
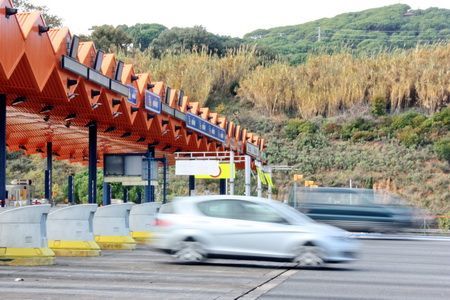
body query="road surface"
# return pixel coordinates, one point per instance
(388, 269)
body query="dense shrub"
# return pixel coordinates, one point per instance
(363, 136)
(442, 149)
(312, 142)
(444, 222)
(295, 126)
(291, 130)
(442, 116)
(409, 136)
(333, 130)
(330, 128)
(358, 124)
(308, 127)
(412, 118)
(378, 106)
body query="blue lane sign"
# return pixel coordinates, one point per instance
(132, 98)
(204, 127)
(152, 102)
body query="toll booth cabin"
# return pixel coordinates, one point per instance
(19, 193)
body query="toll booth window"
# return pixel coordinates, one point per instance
(114, 165)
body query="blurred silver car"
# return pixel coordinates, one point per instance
(196, 228)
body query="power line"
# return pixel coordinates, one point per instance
(380, 30)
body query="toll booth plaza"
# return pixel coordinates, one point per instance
(66, 100)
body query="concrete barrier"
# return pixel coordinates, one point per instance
(70, 231)
(23, 236)
(112, 227)
(141, 221)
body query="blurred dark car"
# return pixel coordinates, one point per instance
(362, 210)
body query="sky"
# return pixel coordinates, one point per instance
(230, 17)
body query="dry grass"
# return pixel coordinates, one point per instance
(328, 84)
(325, 85)
(198, 73)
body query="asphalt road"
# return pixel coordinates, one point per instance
(388, 269)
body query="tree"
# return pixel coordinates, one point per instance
(108, 37)
(181, 39)
(50, 19)
(442, 148)
(143, 34)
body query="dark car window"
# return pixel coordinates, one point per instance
(241, 210)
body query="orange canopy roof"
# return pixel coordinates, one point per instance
(52, 97)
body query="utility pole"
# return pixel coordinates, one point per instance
(318, 34)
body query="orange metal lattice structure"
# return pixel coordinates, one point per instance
(46, 102)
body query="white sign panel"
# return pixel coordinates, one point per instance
(196, 167)
(252, 150)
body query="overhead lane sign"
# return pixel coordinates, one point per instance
(204, 127)
(252, 150)
(132, 98)
(152, 102)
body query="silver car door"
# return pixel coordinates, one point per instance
(259, 230)
(218, 227)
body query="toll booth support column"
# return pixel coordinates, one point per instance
(223, 186)
(247, 175)
(258, 179)
(259, 187)
(48, 172)
(139, 195)
(2, 149)
(164, 200)
(149, 189)
(106, 193)
(70, 190)
(233, 171)
(269, 187)
(92, 187)
(191, 185)
(125, 194)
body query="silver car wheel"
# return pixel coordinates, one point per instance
(309, 256)
(189, 251)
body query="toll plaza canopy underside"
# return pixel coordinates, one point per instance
(56, 87)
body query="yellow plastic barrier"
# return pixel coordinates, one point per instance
(141, 221)
(112, 228)
(23, 240)
(70, 231)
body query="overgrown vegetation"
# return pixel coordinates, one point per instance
(327, 85)
(369, 31)
(199, 73)
(367, 150)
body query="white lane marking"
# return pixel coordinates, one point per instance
(374, 236)
(268, 285)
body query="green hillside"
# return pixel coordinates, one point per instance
(389, 27)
